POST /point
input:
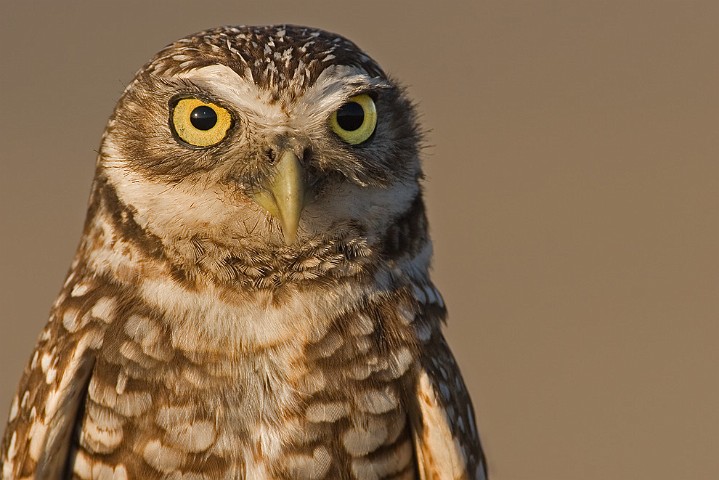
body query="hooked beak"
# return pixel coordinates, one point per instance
(284, 194)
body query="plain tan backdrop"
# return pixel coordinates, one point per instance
(572, 183)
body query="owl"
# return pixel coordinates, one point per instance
(250, 298)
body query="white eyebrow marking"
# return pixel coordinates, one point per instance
(331, 89)
(239, 91)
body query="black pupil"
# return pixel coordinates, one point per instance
(203, 118)
(350, 116)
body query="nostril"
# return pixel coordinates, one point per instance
(306, 153)
(271, 155)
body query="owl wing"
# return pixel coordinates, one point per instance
(45, 409)
(445, 435)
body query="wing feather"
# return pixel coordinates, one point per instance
(445, 436)
(51, 392)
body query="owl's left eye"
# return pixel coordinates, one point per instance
(200, 123)
(355, 121)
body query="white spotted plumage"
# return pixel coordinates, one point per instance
(205, 333)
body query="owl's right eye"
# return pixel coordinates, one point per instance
(200, 123)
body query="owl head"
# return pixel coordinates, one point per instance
(269, 140)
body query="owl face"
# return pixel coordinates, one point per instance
(269, 137)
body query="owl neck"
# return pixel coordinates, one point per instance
(117, 245)
(233, 298)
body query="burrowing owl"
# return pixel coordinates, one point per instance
(250, 298)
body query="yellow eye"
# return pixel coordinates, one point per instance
(356, 120)
(199, 123)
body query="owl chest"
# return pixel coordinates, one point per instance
(329, 408)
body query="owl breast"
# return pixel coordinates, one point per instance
(327, 405)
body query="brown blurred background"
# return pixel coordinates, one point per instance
(573, 185)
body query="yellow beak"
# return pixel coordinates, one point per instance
(284, 195)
